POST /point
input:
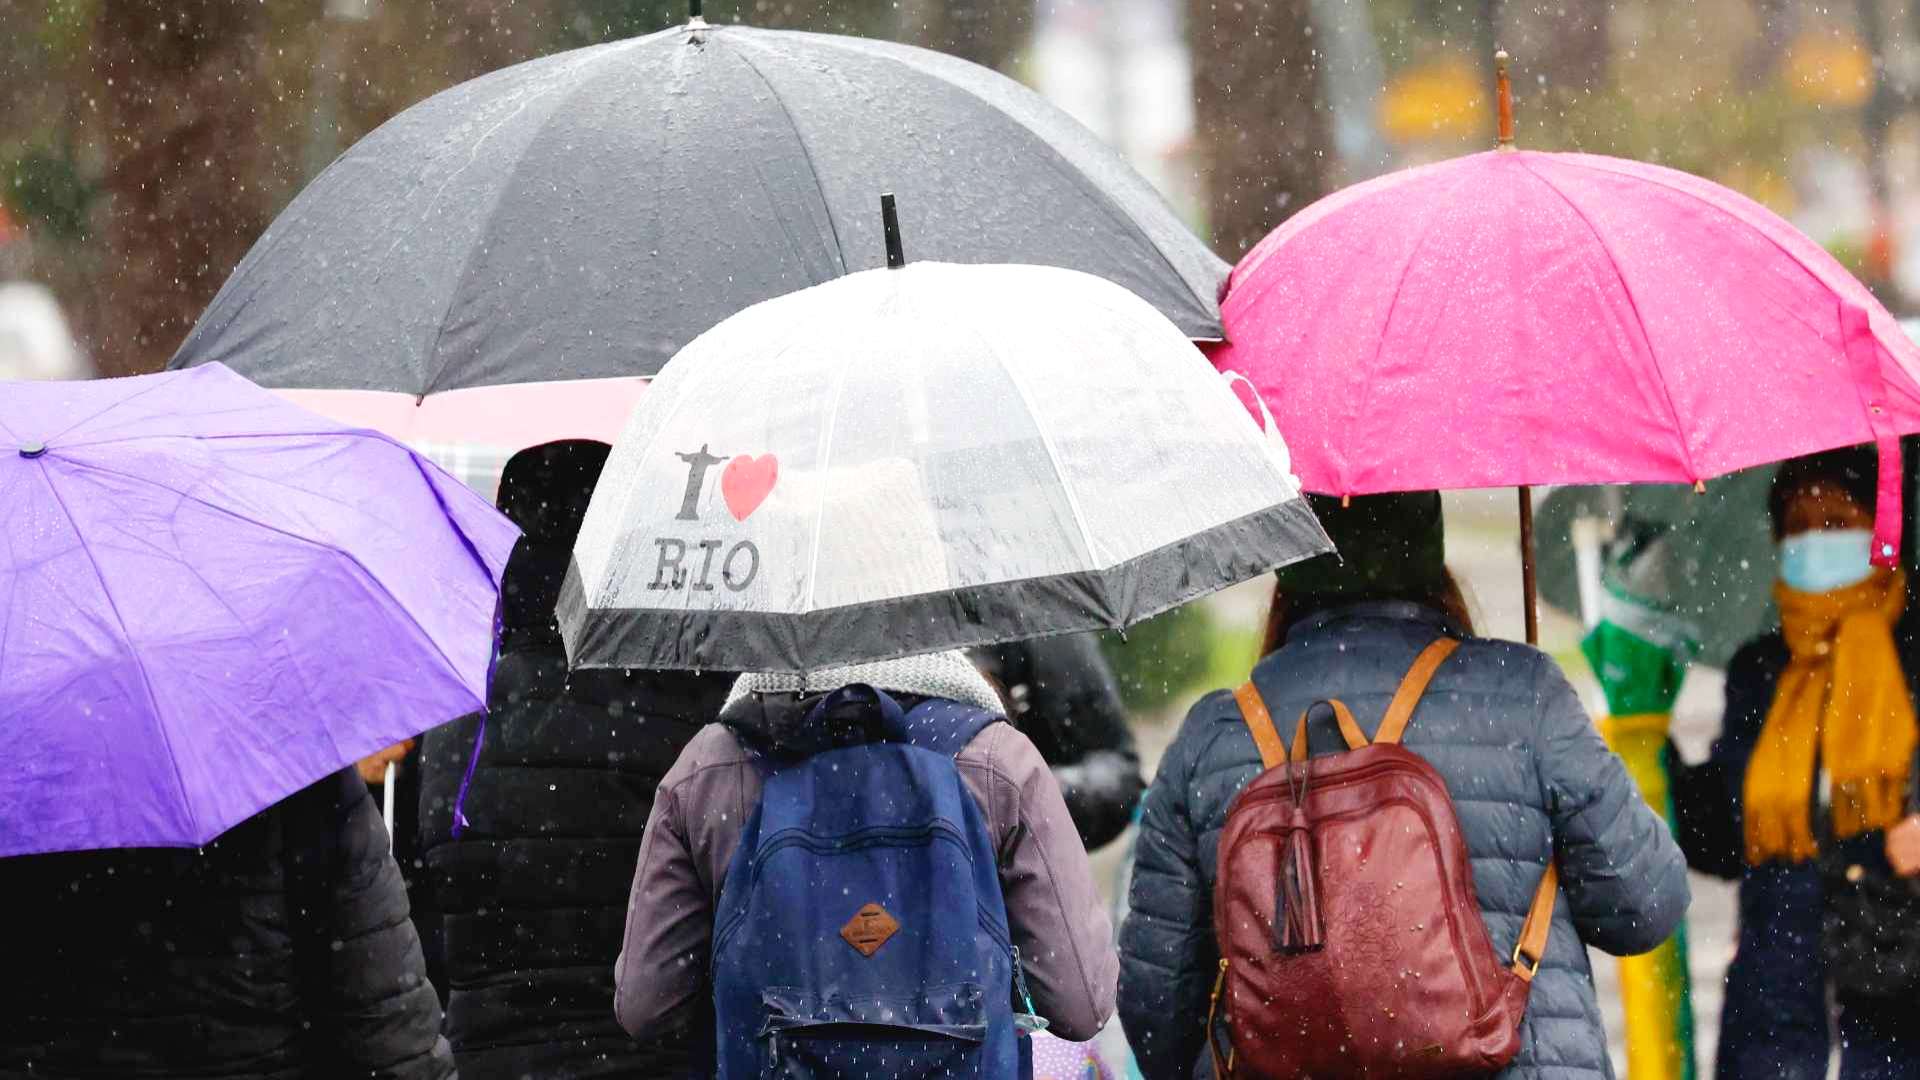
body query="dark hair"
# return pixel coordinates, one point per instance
(1854, 470)
(1284, 612)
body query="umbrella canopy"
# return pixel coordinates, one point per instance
(210, 599)
(581, 217)
(1514, 318)
(1716, 558)
(915, 459)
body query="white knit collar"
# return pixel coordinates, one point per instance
(949, 675)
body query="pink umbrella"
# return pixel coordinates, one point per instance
(1517, 318)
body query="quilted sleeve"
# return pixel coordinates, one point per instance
(1168, 958)
(1621, 872)
(386, 1012)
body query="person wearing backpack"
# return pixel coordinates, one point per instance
(1375, 899)
(841, 870)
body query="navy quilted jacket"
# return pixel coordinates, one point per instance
(1528, 773)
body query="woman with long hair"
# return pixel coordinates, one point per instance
(1529, 777)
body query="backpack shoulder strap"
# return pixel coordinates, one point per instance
(1532, 946)
(1273, 751)
(1407, 698)
(1266, 734)
(945, 726)
(1253, 712)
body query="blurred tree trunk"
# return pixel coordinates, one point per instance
(1560, 49)
(1779, 20)
(988, 32)
(1264, 139)
(181, 82)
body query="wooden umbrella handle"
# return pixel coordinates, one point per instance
(1503, 89)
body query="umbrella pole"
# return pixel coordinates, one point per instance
(387, 786)
(1531, 601)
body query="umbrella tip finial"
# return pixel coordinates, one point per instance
(696, 14)
(1503, 87)
(32, 450)
(890, 223)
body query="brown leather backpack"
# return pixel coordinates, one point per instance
(1351, 939)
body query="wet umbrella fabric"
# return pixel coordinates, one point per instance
(583, 216)
(1517, 318)
(211, 599)
(908, 460)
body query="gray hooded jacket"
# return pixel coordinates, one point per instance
(1053, 908)
(1529, 776)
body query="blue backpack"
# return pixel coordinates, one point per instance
(861, 931)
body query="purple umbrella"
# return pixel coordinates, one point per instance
(210, 598)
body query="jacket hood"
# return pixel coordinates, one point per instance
(770, 711)
(545, 490)
(529, 591)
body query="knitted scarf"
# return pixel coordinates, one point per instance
(1842, 704)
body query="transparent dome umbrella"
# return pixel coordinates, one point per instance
(913, 459)
(569, 223)
(210, 598)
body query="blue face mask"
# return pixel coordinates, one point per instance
(1823, 560)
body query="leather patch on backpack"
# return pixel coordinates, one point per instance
(869, 929)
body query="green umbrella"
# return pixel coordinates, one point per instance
(1640, 648)
(1713, 564)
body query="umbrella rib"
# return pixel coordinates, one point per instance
(1666, 390)
(1209, 305)
(820, 509)
(133, 651)
(1046, 439)
(365, 576)
(839, 247)
(480, 247)
(1368, 385)
(91, 417)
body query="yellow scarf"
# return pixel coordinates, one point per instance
(1843, 694)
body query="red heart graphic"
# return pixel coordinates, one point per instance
(746, 482)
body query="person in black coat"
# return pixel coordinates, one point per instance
(530, 898)
(282, 950)
(1061, 694)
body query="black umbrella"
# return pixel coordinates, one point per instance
(585, 215)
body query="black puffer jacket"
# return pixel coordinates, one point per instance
(1529, 777)
(532, 898)
(1061, 694)
(164, 962)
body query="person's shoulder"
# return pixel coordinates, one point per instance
(1215, 715)
(714, 746)
(1003, 748)
(1501, 661)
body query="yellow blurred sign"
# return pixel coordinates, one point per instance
(1436, 99)
(1829, 69)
